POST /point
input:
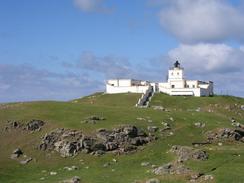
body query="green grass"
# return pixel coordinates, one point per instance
(119, 109)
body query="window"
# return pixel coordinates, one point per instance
(193, 86)
(172, 73)
(172, 86)
(187, 86)
(177, 73)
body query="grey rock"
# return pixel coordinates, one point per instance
(226, 134)
(232, 120)
(171, 168)
(208, 177)
(131, 131)
(53, 173)
(145, 163)
(185, 153)
(16, 153)
(110, 146)
(71, 168)
(242, 107)
(71, 142)
(198, 109)
(171, 119)
(199, 124)
(141, 119)
(93, 119)
(158, 108)
(106, 164)
(15, 124)
(34, 125)
(23, 162)
(153, 180)
(152, 128)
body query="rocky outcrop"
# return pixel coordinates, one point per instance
(66, 142)
(172, 168)
(226, 134)
(185, 153)
(177, 167)
(119, 140)
(32, 125)
(13, 125)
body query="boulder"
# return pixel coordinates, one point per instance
(67, 148)
(93, 119)
(110, 146)
(15, 124)
(16, 153)
(242, 107)
(185, 153)
(71, 168)
(34, 125)
(53, 173)
(145, 163)
(152, 128)
(199, 124)
(153, 180)
(141, 119)
(161, 108)
(172, 168)
(98, 147)
(130, 131)
(23, 162)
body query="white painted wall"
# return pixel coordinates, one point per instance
(113, 82)
(176, 74)
(125, 82)
(163, 85)
(207, 90)
(192, 84)
(177, 83)
(126, 89)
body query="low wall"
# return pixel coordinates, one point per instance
(181, 91)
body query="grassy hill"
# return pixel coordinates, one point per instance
(118, 109)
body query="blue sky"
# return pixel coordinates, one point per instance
(63, 49)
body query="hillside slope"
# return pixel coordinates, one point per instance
(225, 161)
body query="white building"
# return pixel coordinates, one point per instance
(176, 85)
(127, 85)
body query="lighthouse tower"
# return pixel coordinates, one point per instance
(176, 73)
(176, 76)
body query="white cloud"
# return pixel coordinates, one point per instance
(216, 62)
(91, 6)
(109, 66)
(194, 21)
(25, 83)
(202, 58)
